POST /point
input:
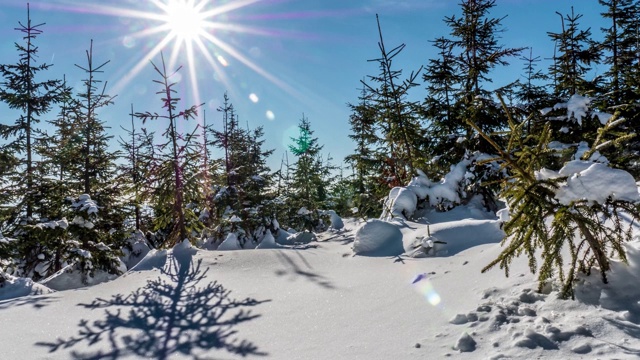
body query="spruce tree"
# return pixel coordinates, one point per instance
(622, 79)
(22, 90)
(397, 117)
(575, 52)
(98, 161)
(311, 178)
(475, 42)
(175, 172)
(139, 153)
(368, 159)
(541, 226)
(241, 201)
(441, 107)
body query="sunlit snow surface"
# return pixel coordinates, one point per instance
(321, 301)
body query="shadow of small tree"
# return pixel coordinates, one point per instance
(166, 318)
(292, 268)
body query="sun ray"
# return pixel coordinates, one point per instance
(251, 65)
(189, 30)
(144, 62)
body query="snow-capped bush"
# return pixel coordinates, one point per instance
(456, 187)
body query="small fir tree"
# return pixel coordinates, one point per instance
(310, 179)
(175, 171)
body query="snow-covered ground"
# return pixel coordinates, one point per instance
(319, 301)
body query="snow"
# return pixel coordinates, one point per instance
(402, 201)
(14, 287)
(71, 277)
(230, 243)
(320, 302)
(336, 220)
(596, 183)
(268, 242)
(85, 203)
(577, 107)
(378, 238)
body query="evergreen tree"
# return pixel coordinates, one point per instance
(368, 159)
(574, 56)
(541, 224)
(575, 52)
(98, 170)
(441, 107)
(242, 200)
(22, 90)
(310, 180)
(622, 79)
(176, 170)
(532, 91)
(477, 53)
(139, 153)
(396, 116)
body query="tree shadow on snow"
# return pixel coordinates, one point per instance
(36, 301)
(345, 238)
(293, 268)
(165, 318)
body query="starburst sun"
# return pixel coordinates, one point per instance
(192, 31)
(185, 20)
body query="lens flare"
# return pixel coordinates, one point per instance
(222, 60)
(270, 115)
(424, 286)
(254, 98)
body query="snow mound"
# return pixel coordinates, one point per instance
(230, 243)
(378, 238)
(464, 234)
(155, 259)
(71, 277)
(13, 287)
(268, 242)
(597, 183)
(282, 237)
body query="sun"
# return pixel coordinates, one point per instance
(185, 20)
(193, 33)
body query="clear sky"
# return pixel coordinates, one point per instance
(277, 59)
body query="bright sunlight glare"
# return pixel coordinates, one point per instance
(185, 20)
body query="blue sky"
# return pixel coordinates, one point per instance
(277, 59)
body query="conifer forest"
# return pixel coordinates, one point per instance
(551, 158)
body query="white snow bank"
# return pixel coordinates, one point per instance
(378, 238)
(155, 259)
(402, 201)
(230, 243)
(268, 242)
(71, 277)
(13, 287)
(596, 183)
(464, 234)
